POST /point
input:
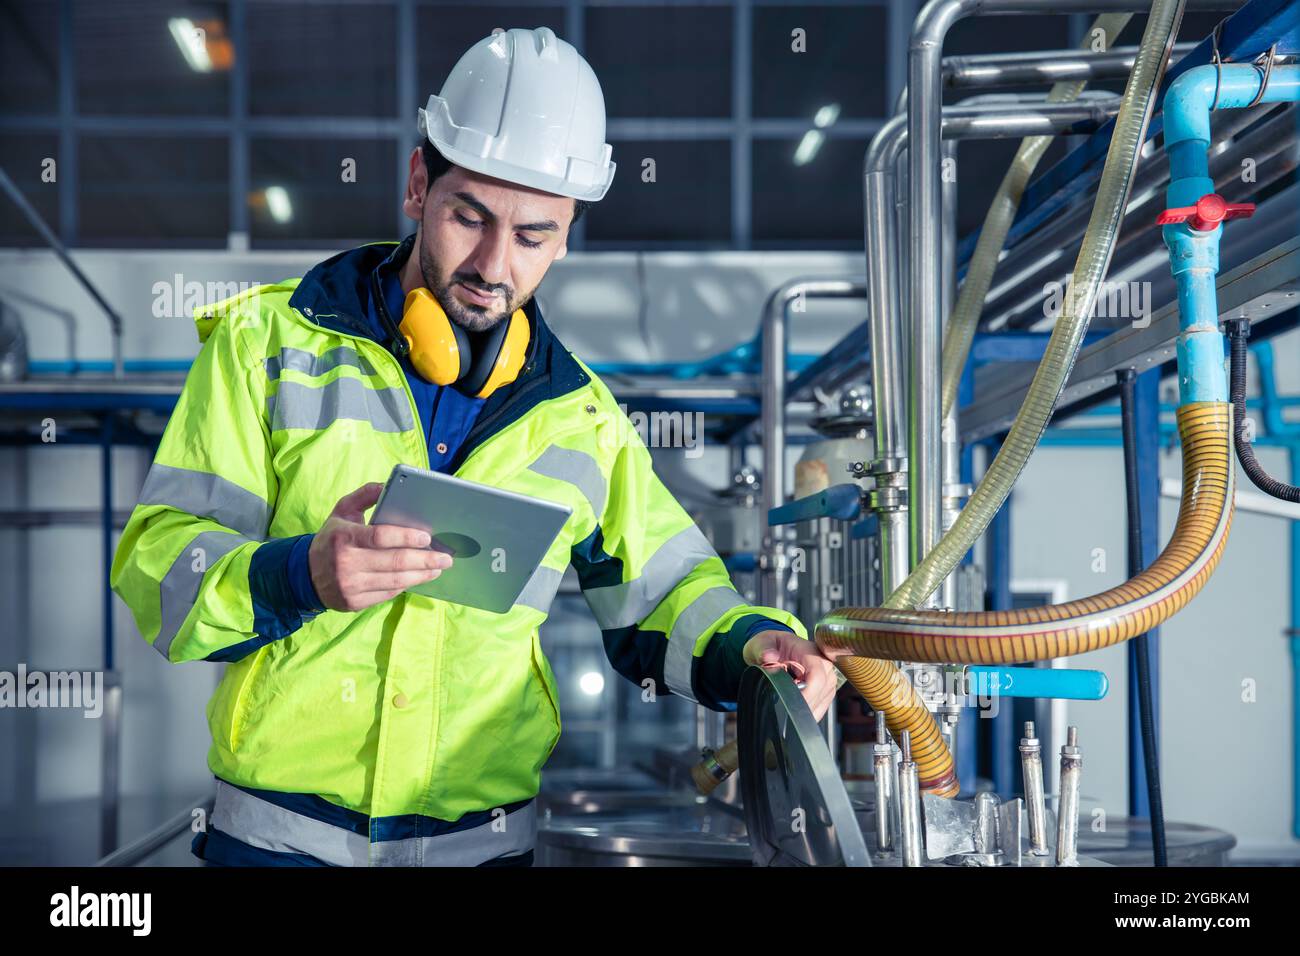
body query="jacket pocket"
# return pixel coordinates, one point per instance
(546, 679)
(243, 694)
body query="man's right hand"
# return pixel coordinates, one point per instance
(355, 565)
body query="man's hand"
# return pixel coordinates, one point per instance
(781, 649)
(355, 565)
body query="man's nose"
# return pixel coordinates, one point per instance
(492, 257)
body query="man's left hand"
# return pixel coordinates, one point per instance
(790, 652)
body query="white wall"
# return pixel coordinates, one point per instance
(1225, 762)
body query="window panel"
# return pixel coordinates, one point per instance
(153, 190)
(29, 57)
(689, 198)
(317, 80)
(805, 58)
(322, 191)
(26, 157)
(667, 61)
(151, 58)
(820, 200)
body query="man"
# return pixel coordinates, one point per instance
(358, 723)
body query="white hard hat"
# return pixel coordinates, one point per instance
(524, 106)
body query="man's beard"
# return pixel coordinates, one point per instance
(468, 317)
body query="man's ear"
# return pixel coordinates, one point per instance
(417, 187)
(564, 250)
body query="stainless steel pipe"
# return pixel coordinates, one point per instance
(1042, 67)
(909, 807)
(774, 336)
(1067, 813)
(924, 120)
(882, 770)
(885, 312)
(1035, 68)
(1031, 770)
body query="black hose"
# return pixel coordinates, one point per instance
(1238, 334)
(1141, 643)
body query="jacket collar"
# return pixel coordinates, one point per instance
(329, 296)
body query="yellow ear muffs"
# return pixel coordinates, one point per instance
(499, 355)
(439, 348)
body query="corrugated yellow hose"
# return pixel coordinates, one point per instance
(1058, 630)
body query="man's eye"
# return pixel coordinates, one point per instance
(465, 221)
(528, 243)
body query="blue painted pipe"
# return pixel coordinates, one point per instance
(1194, 254)
(1057, 682)
(1187, 117)
(1194, 259)
(837, 501)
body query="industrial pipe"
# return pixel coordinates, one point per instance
(1059, 630)
(883, 685)
(966, 121)
(1204, 422)
(773, 340)
(56, 244)
(965, 315)
(1238, 336)
(1090, 269)
(925, 64)
(1041, 68)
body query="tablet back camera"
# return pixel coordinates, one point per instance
(456, 545)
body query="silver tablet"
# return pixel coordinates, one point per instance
(496, 538)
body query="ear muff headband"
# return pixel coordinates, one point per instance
(441, 351)
(498, 357)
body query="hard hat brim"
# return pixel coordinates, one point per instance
(525, 177)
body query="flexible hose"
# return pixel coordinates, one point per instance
(1127, 138)
(1141, 643)
(879, 680)
(1238, 334)
(960, 332)
(1076, 627)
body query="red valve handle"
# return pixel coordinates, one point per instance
(1210, 210)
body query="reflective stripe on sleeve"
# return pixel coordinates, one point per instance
(309, 363)
(540, 590)
(696, 618)
(179, 588)
(295, 405)
(622, 605)
(577, 468)
(206, 495)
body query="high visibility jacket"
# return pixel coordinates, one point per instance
(416, 713)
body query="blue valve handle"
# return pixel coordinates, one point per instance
(866, 528)
(837, 501)
(1061, 683)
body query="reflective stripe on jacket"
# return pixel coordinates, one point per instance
(414, 706)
